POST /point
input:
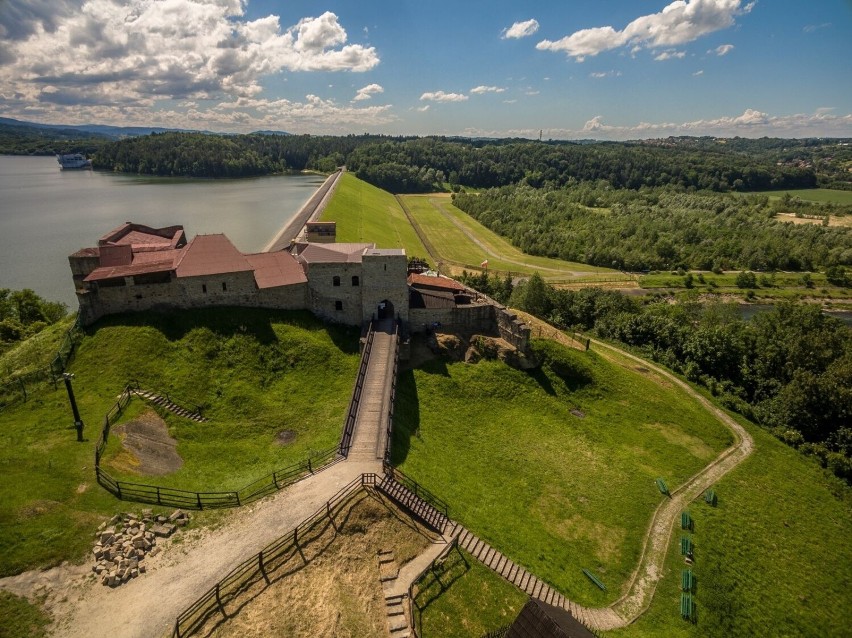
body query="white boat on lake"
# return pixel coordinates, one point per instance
(73, 161)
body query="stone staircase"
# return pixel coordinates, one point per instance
(167, 404)
(398, 626)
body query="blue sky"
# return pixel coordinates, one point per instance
(602, 69)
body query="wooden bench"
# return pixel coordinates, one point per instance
(687, 607)
(687, 580)
(661, 485)
(594, 579)
(686, 521)
(686, 547)
(710, 498)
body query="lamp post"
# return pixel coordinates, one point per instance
(78, 422)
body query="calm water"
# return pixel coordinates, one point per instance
(46, 214)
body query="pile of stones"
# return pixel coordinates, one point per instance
(122, 543)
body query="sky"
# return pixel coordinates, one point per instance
(562, 69)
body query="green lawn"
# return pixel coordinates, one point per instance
(259, 372)
(365, 213)
(812, 195)
(464, 599)
(773, 559)
(36, 352)
(554, 490)
(20, 618)
(446, 226)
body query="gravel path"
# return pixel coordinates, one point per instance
(147, 606)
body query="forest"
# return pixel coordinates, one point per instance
(661, 228)
(23, 313)
(789, 369)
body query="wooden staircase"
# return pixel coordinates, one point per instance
(167, 404)
(414, 504)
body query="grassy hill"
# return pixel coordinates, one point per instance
(554, 467)
(258, 373)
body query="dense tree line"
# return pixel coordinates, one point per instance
(23, 313)
(656, 229)
(29, 140)
(789, 369)
(418, 164)
(556, 164)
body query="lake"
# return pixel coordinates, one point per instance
(46, 214)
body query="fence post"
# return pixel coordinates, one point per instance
(176, 633)
(219, 602)
(310, 469)
(262, 569)
(198, 498)
(159, 502)
(118, 489)
(275, 481)
(237, 494)
(23, 388)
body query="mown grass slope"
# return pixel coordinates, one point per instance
(258, 373)
(365, 213)
(554, 467)
(772, 559)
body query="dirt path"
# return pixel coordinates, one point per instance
(644, 581)
(190, 563)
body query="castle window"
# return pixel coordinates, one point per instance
(204, 288)
(338, 305)
(224, 287)
(335, 281)
(355, 280)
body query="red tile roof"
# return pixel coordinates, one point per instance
(276, 269)
(112, 272)
(210, 255)
(436, 283)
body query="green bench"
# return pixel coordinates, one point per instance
(661, 485)
(710, 498)
(594, 579)
(686, 547)
(687, 607)
(687, 580)
(686, 521)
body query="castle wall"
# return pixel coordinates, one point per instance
(385, 273)
(189, 292)
(323, 295)
(478, 318)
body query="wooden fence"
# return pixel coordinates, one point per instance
(184, 499)
(233, 590)
(434, 568)
(389, 433)
(352, 414)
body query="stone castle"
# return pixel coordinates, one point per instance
(135, 267)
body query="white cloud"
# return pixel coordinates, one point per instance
(816, 27)
(123, 54)
(680, 22)
(422, 109)
(699, 72)
(479, 90)
(751, 123)
(441, 96)
(521, 29)
(605, 74)
(367, 92)
(722, 49)
(670, 55)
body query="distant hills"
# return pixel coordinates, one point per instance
(100, 130)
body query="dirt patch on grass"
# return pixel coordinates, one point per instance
(147, 447)
(285, 437)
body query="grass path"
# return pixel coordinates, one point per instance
(649, 570)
